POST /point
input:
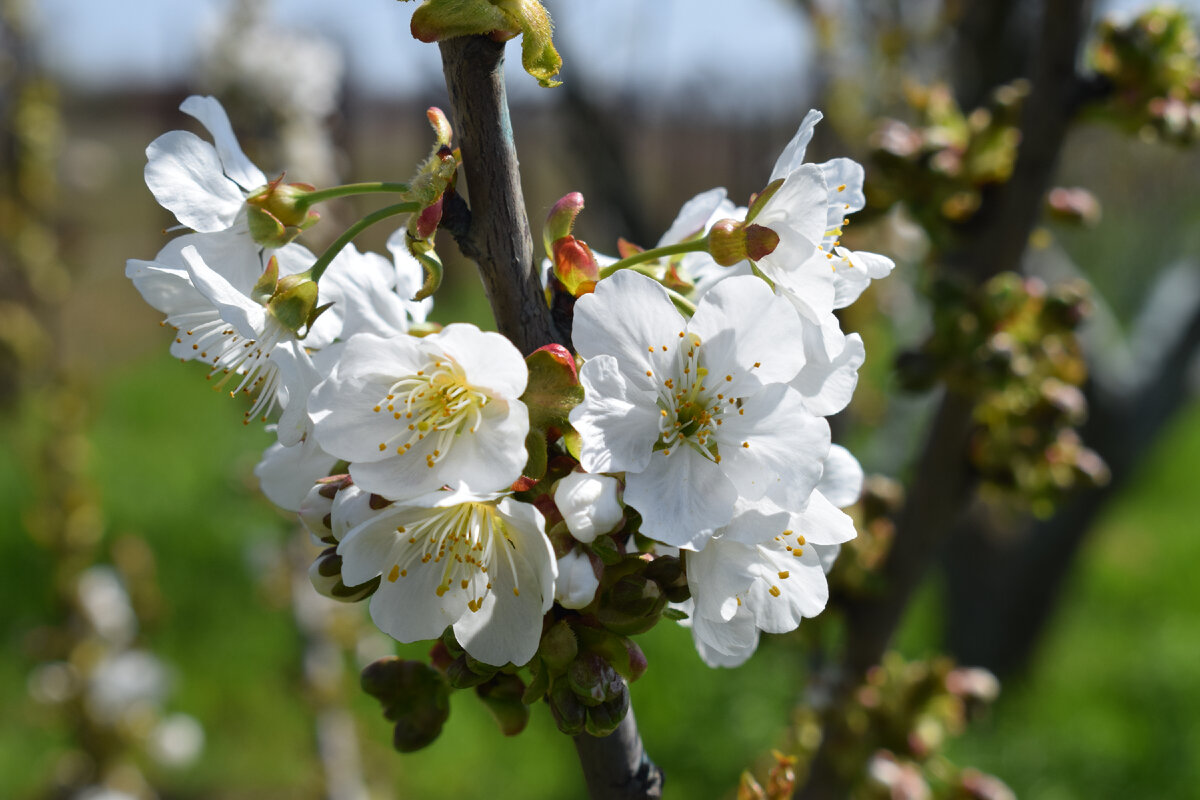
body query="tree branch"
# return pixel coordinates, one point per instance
(497, 236)
(993, 242)
(617, 767)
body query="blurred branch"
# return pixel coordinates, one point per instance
(496, 234)
(940, 487)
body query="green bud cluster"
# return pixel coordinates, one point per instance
(1152, 66)
(414, 696)
(1011, 344)
(939, 166)
(906, 712)
(277, 214)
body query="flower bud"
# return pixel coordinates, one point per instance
(414, 696)
(604, 718)
(590, 504)
(593, 680)
(667, 572)
(465, 672)
(502, 696)
(350, 506)
(326, 577)
(569, 713)
(561, 220)
(275, 214)
(559, 647)
(578, 579)
(318, 503)
(575, 266)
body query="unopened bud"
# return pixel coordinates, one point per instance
(589, 504)
(502, 696)
(593, 679)
(440, 124)
(294, 303)
(604, 718)
(414, 696)
(667, 572)
(558, 647)
(350, 507)
(316, 507)
(465, 672)
(561, 220)
(575, 266)
(326, 577)
(569, 713)
(578, 579)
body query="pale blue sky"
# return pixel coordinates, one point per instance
(753, 50)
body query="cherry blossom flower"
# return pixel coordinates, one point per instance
(696, 413)
(479, 562)
(413, 414)
(765, 570)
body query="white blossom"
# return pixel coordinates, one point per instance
(696, 412)
(413, 414)
(479, 562)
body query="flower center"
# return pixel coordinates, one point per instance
(465, 542)
(689, 411)
(437, 402)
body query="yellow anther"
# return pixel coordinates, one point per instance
(783, 576)
(774, 591)
(394, 574)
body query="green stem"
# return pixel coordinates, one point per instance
(681, 302)
(331, 252)
(653, 254)
(346, 189)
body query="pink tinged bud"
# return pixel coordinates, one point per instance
(428, 219)
(727, 242)
(561, 220)
(441, 125)
(590, 504)
(575, 266)
(562, 356)
(760, 241)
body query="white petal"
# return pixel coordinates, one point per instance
(235, 308)
(285, 474)
(694, 217)
(803, 593)
(826, 385)
(682, 497)
(617, 422)
(589, 504)
(793, 154)
(749, 336)
(775, 447)
(842, 479)
(213, 117)
(821, 522)
(490, 360)
(184, 173)
(625, 317)
(577, 584)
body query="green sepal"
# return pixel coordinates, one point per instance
(504, 697)
(538, 56)
(761, 199)
(264, 287)
(294, 301)
(539, 683)
(676, 614)
(432, 265)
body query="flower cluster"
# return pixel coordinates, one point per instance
(465, 489)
